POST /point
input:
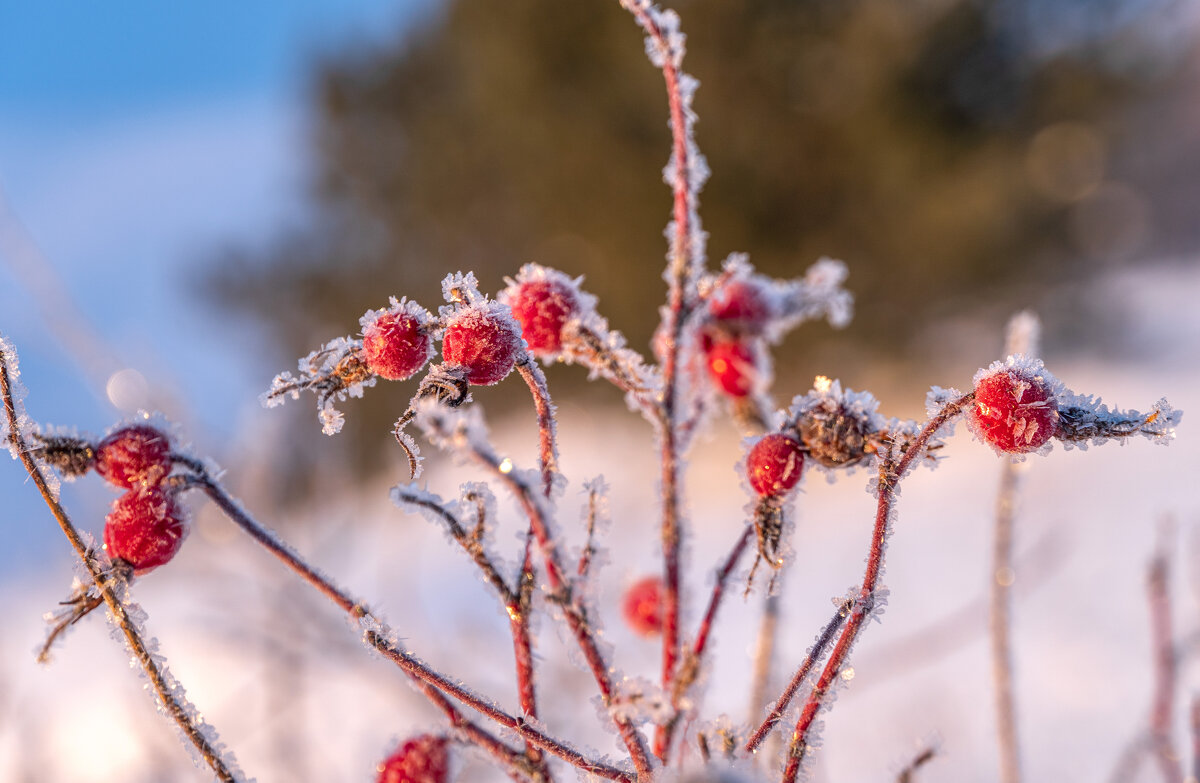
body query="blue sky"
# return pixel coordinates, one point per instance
(136, 139)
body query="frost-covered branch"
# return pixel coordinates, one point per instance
(516, 600)
(113, 589)
(685, 173)
(462, 434)
(892, 468)
(377, 635)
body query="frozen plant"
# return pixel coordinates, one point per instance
(711, 354)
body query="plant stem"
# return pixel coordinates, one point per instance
(1165, 670)
(683, 257)
(516, 605)
(413, 666)
(891, 471)
(810, 660)
(107, 582)
(1001, 622)
(690, 667)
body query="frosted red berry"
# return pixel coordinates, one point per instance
(134, 455)
(731, 365)
(1014, 410)
(396, 345)
(741, 303)
(543, 307)
(642, 606)
(774, 464)
(145, 529)
(421, 759)
(485, 342)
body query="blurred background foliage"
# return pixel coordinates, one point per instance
(962, 157)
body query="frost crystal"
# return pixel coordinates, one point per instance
(334, 371)
(1083, 419)
(640, 701)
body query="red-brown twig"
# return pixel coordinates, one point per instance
(109, 584)
(909, 773)
(683, 257)
(516, 601)
(806, 666)
(891, 471)
(1165, 670)
(430, 681)
(535, 379)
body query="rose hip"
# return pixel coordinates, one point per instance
(731, 365)
(134, 455)
(642, 606)
(1014, 410)
(484, 341)
(145, 529)
(741, 304)
(421, 759)
(397, 344)
(774, 464)
(543, 306)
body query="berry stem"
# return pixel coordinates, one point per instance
(109, 584)
(431, 682)
(891, 471)
(535, 379)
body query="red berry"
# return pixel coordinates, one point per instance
(421, 759)
(741, 303)
(643, 606)
(144, 528)
(731, 365)
(1014, 410)
(138, 454)
(484, 341)
(774, 464)
(396, 345)
(542, 307)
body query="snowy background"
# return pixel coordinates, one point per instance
(184, 132)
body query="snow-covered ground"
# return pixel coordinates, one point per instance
(298, 698)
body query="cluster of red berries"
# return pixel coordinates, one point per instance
(642, 606)
(420, 759)
(146, 526)
(739, 311)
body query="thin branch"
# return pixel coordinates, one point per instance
(535, 379)
(1165, 670)
(690, 667)
(112, 588)
(1001, 623)
(815, 654)
(684, 257)
(764, 651)
(1195, 726)
(413, 666)
(890, 474)
(909, 773)
(562, 593)
(589, 546)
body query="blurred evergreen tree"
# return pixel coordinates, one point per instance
(891, 135)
